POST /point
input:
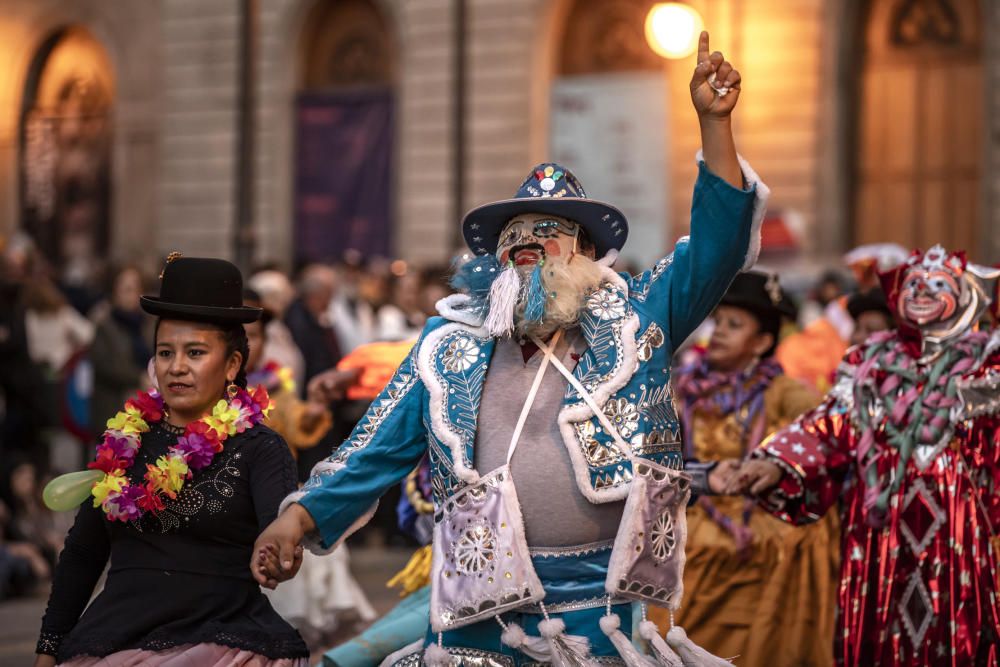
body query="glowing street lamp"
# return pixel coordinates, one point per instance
(673, 28)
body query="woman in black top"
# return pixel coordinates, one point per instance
(179, 590)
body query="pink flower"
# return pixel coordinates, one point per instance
(246, 417)
(196, 449)
(116, 452)
(123, 505)
(122, 446)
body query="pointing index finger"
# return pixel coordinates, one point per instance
(703, 47)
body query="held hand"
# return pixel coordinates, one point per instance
(330, 385)
(277, 553)
(754, 477)
(45, 661)
(721, 475)
(706, 88)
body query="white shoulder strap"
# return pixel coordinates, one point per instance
(526, 408)
(585, 395)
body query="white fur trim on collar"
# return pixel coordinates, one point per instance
(759, 207)
(457, 308)
(571, 415)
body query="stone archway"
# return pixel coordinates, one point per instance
(345, 127)
(129, 35)
(286, 29)
(66, 133)
(919, 124)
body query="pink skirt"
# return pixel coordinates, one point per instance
(191, 655)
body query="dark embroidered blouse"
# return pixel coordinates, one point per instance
(181, 576)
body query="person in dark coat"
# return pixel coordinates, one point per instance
(120, 351)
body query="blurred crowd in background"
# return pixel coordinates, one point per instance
(69, 357)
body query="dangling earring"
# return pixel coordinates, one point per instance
(232, 389)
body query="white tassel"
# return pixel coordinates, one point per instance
(609, 258)
(664, 655)
(566, 650)
(611, 627)
(504, 294)
(691, 654)
(515, 637)
(436, 655)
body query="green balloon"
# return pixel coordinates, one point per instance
(66, 492)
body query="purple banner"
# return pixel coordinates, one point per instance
(343, 176)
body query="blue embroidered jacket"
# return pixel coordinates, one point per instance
(631, 324)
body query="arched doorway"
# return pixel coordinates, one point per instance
(609, 117)
(65, 156)
(919, 124)
(344, 124)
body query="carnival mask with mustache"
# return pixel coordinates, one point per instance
(536, 280)
(529, 239)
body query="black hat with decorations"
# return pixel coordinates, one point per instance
(549, 189)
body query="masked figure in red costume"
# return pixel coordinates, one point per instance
(913, 422)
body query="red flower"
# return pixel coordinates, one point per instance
(261, 398)
(149, 405)
(150, 500)
(107, 462)
(206, 431)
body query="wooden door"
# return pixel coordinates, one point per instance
(920, 124)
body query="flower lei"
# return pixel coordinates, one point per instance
(195, 449)
(272, 376)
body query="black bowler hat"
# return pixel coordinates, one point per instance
(549, 189)
(871, 300)
(761, 294)
(202, 289)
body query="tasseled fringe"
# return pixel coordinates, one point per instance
(663, 653)
(504, 293)
(416, 574)
(611, 627)
(436, 655)
(691, 654)
(566, 650)
(408, 650)
(534, 308)
(515, 637)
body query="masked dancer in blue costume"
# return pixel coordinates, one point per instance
(542, 395)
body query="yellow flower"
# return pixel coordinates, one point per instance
(112, 483)
(173, 473)
(129, 422)
(223, 419)
(287, 379)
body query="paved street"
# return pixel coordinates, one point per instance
(19, 619)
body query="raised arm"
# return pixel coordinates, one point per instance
(727, 208)
(715, 111)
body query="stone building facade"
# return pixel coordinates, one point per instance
(846, 165)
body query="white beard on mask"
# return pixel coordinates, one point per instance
(551, 297)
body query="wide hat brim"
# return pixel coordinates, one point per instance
(605, 224)
(211, 314)
(760, 307)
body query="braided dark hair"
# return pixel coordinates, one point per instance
(235, 338)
